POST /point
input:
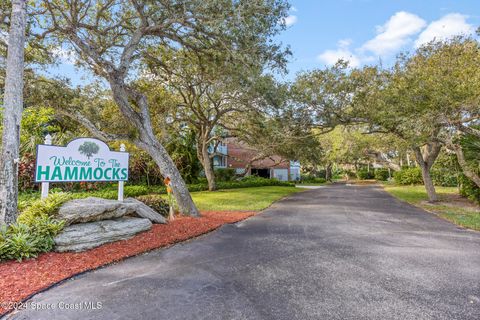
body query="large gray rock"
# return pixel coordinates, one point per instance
(93, 209)
(144, 211)
(83, 236)
(96, 209)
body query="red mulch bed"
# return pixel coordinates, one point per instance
(20, 280)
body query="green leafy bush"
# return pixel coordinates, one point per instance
(364, 174)
(307, 178)
(408, 176)
(340, 174)
(26, 240)
(48, 206)
(312, 179)
(156, 202)
(34, 230)
(321, 174)
(469, 189)
(444, 177)
(224, 174)
(254, 181)
(381, 174)
(18, 243)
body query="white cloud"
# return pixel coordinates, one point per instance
(290, 20)
(344, 43)
(395, 33)
(399, 30)
(330, 57)
(446, 27)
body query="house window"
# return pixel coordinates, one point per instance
(220, 161)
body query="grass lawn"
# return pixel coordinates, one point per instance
(451, 207)
(251, 199)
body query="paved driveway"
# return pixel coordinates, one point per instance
(341, 252)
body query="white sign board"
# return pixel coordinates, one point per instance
(83, 159)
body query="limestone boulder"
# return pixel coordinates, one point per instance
(84, 236)
(93, 209)
(96, 209)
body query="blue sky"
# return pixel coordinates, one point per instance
(361, 31)
(364, 31)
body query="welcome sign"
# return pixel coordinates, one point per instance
(83, 159)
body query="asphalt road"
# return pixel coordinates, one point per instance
(340, 252)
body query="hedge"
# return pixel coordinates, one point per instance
(364, 174)
(408, 176)
(382, 174)
(469, 189)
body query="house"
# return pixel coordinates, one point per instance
(239, 156)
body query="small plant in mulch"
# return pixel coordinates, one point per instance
(157, 203)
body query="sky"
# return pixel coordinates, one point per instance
(363, 32)
(368, 31)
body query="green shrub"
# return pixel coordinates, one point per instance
(135, 191)
(408, 176)
(128, 191)
(382, 174)
(340, 174)
(444, 177)
(321, 174)
(48, 206)
(313, 180)
(156, 202)
(224, 174)
(18, 243)
(307, 178)
(26, 240)
(252, 181)
(34, 230)
(364, 174)
(469, 189)
(199, 187)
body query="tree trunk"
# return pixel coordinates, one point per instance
(467, 171)
(12, 116)
(328, 172)
(148, 142)
(204, 157)
(426, 160)
(168, 169)
(427, 181)
(209, 173)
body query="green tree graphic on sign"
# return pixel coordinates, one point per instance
(89, 148)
